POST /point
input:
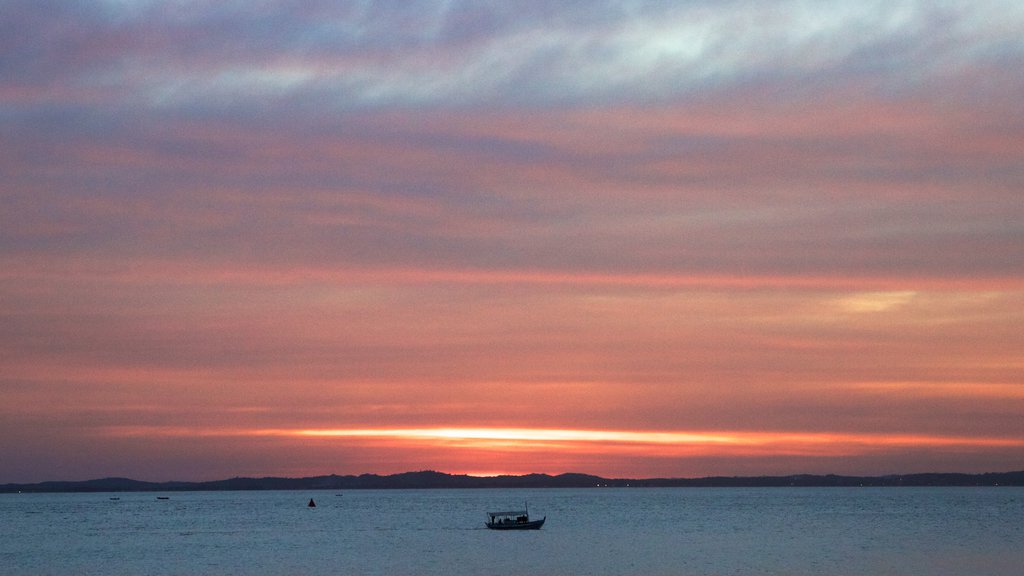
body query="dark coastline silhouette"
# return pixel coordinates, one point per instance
(441, 480)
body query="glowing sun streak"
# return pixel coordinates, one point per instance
(543, 435)
(554, 438)
(529, 435)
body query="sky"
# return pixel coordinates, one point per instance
(634, 239)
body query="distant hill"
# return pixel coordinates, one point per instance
(431, 479)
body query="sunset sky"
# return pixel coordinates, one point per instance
(633, 239)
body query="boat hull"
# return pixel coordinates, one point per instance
(532, 525)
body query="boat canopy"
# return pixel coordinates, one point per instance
(512, 513)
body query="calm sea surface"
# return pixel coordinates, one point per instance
(702, 531)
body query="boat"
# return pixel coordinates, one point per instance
(513, 520)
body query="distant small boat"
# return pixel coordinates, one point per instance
(114, 498)
(163, 497)
(513, 520)
(311, 503)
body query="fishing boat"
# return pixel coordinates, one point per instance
(513, 520)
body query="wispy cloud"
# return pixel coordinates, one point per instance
(184, 54)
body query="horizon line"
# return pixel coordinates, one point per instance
(529, 474)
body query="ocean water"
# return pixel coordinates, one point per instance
(677, 531)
